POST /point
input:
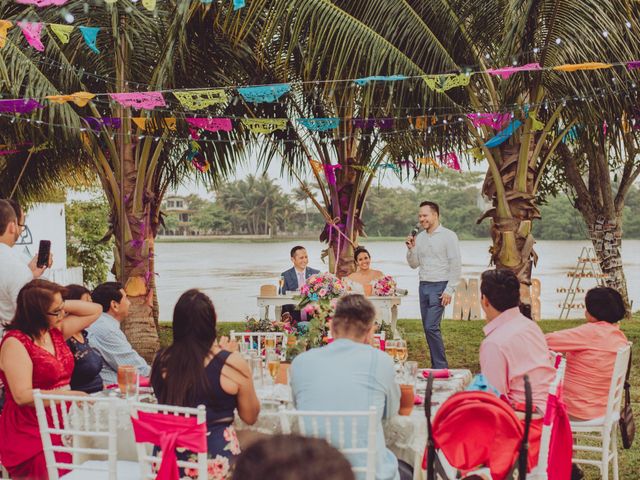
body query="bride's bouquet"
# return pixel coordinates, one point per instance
(385, 287)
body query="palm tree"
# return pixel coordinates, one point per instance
(175, 46)
(306, 39)
(597, 171)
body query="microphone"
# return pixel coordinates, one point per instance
(415, 230)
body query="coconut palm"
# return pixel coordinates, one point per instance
(414, 37)
(175, 46)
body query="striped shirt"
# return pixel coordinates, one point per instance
(438, 256)
(111, 343)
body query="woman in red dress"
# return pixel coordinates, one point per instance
(33, 354)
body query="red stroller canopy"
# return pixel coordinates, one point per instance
(474, 429)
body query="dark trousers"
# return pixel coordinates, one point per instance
(431, 310)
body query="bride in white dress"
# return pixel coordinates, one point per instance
(364, 278)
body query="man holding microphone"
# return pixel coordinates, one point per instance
(436, 251)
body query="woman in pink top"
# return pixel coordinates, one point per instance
(591, 353)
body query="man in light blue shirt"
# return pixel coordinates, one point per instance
(108, 339)
(349, 375)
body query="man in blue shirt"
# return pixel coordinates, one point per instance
(108, 339)
(349, 375)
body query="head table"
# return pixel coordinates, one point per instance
(406, 436)
(386, 307)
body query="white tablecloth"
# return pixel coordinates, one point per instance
(406, 436)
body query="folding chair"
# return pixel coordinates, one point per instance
(603, 431)
(475, 432)
(548, 423)
(69, 418)
(187, 428)
(353, 433)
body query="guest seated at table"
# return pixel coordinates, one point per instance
(363, 279)
(88, 363)
(197, 370)
(349, 375)
(288, 457)
(591, 353)
(295, 277)
(108, 339)
(514, 346)
(34, 355)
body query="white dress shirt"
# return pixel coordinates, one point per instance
(14, 274)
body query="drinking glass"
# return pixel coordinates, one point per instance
(281, 286)
(270, 341)
(255, 362)
(273, 364)
(390, 348)
(401, 352)
(411, 371)
(127, 379)
(375, 343)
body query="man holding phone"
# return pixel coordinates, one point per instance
(14, 273)
(436, 251)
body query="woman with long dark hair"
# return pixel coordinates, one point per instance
(34, 355)
(196, 370)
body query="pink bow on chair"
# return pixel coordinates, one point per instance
(169, 432)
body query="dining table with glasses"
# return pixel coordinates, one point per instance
(405, 434)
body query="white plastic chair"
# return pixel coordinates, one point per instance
(603, 431)
(353, 433)
(74, 417)
(540, 471)
(257, 339)
(146, 460)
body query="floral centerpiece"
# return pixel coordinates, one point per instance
(264, 325)
(318, 297)
(385, 287)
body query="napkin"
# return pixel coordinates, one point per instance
(436, 372)
(418, 400)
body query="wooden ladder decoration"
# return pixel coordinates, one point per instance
(587, 266)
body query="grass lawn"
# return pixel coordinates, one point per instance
(462, 341)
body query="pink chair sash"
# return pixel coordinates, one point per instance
(169, 432)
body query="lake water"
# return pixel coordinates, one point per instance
(231, 273)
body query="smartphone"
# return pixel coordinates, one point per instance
(43, 253)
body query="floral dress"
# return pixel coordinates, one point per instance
(222, 441)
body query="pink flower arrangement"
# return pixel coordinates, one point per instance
(385, 287)
(322, 285)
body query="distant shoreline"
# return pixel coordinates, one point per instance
(265, 239)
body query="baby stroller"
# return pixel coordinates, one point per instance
(477, 433)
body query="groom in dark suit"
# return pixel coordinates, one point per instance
(296, 276)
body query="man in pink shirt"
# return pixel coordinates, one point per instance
(514, 346)
(591, 353)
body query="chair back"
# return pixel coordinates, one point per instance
(555, 395)
(268, 290)
(71, 417)
(256, 341)
(353, 433)
(616, 389)
(155, 425)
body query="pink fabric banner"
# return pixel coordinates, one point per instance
(494, 120)
(506, 72)
(144, 100)
(211, 124)
(32, 32)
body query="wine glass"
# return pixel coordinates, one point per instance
(273, 364)
(270, 341)
(390, 348)
(401, 352)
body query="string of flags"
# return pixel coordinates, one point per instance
(148, 4)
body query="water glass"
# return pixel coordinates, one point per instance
(255, 362)
(127, 380)
(411, 371)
